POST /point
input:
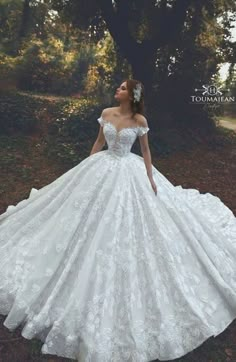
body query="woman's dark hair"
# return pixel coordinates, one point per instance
(137, 107)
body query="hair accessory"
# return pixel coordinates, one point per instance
(137, 92)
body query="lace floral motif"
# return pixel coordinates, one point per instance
(100, 269)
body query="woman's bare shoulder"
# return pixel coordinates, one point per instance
(107, 111)
(141, 120)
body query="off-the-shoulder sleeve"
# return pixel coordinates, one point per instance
(142, 130)
(101, 121)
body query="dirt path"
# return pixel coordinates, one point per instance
(227, 124)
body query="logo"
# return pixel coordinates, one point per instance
(210, 90)
(211, 95)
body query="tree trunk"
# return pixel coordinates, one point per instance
(25, 19)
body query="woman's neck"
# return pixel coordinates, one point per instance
(124, 109)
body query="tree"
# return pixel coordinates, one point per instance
(172, 46)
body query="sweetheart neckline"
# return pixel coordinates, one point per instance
(109, 122)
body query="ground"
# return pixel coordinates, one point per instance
(228, 122)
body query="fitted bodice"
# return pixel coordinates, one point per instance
(120, 141)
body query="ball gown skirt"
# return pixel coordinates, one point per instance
(101, 269)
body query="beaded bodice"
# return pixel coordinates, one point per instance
(120, 141)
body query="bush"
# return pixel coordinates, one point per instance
(8, 71)
(47, 67)
(18, 113)
(73, 130)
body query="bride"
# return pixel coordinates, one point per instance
(128, 115)
(111, 261)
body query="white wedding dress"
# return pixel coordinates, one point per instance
(101, 269)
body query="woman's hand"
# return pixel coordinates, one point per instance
(154, 187)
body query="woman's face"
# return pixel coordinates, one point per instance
(122, 93)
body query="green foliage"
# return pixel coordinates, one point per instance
(73, 129)
(18, 114)
(43, 52)
(62, 47)
(8, 67)
(46, 66)
(50, 66)
(109, 69)
(10, 17)
(72, 123)
(231, 84)
(190, 62)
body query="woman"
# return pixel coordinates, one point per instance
(111, 262)
(131, 105)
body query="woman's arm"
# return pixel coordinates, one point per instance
(99, 143)
(146, 153)
(96, 147)
(145, 146)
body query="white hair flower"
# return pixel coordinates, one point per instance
(137, 92)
